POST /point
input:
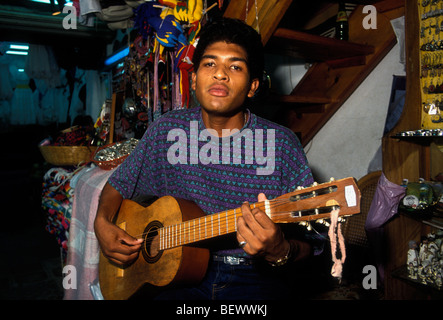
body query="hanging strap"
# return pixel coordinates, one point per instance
(156, 101)
(334, 234)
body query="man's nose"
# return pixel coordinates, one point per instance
(220, 74)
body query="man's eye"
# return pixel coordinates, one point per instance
(237, 68)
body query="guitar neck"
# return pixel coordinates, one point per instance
(203, 228)
(304, 204)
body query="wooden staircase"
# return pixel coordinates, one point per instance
(338, 67)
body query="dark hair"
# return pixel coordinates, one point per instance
(236, 32)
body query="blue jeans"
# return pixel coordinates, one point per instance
(232, 282)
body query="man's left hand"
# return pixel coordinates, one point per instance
(262, 236)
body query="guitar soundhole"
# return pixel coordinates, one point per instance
(151, 246)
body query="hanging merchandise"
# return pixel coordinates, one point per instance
(57, 201)
(184, 66)
(174, 28)
(116, 13)
(87, 11)
(102, 125)
(135, 113)
(431, 53)
(144, 14)
(170, 33)
(156, 70)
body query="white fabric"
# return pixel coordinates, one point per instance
(83, 247)
(41, 64)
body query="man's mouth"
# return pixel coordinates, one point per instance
(218, 90)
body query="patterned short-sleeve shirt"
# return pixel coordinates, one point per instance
(177, 156)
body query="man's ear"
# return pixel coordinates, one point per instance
(194, 79)
(255, 83)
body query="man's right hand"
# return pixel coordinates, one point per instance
(115, 243)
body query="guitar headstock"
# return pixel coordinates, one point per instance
(317, 202)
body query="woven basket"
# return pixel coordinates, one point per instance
(67, 155)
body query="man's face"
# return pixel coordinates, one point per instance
(222, 81)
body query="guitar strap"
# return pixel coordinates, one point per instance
(334, 234)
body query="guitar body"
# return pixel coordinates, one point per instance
(170, 226)
(153, 267)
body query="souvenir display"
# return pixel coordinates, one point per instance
(110, 156)
(424, 198)
(419, 196)
(420, 133)
(425, 260)
(431, 63)
(155, 76)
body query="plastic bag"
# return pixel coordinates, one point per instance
(385, 203)
(383, 207)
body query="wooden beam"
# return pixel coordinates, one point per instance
(401, 158)
(347, 62)
(269, 13)
(388, 5)
(314, 99)
(311, 108)
(314, 48)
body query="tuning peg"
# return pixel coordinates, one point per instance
(341, 219)
(332, 179)
(306, 224)
(315, 184)
(323, 222)
(299, 188)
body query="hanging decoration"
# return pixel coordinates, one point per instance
(156, 71)
(431, 54)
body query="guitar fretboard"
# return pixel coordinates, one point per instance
(313, 203)
(203, 228)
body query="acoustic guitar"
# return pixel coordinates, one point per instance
(172, 229)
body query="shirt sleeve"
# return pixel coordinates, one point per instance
(132, 177)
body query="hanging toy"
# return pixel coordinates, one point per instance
(181, 11)
(143, 14)
(168, 3)
(194, 29)
(169, 32)
(195, 10)
(184, 65)
(185, 10)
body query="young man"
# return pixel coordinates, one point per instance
(217, 175)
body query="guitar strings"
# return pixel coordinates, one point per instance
(220, 214)
(223, 219)
(194, 230)
(273, 204)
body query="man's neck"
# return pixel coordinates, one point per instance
(219, 123)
